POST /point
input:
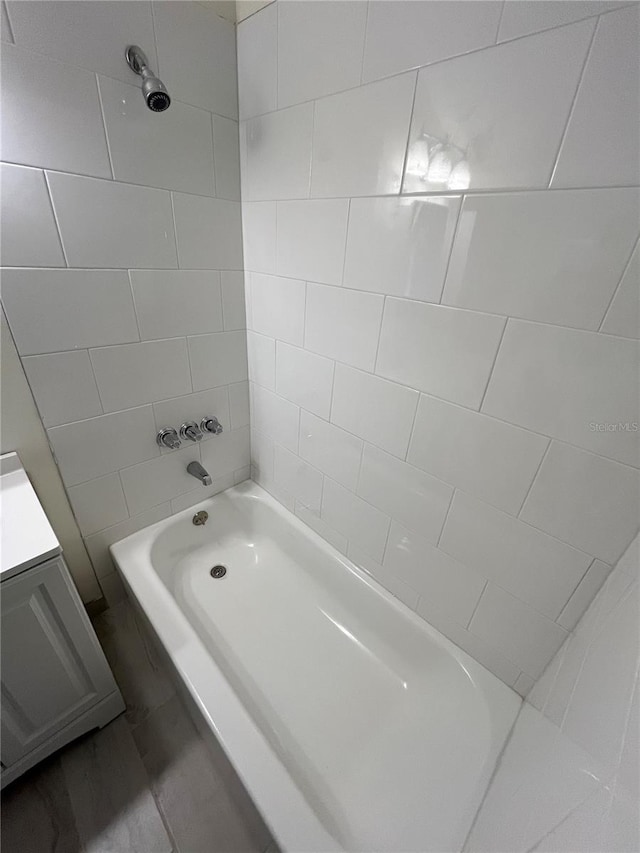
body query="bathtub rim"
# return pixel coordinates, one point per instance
(284, 808)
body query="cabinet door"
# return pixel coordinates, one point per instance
(53, 668)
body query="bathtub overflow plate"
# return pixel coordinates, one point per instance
(218, 571)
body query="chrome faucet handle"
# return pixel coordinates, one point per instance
(168, 437)
(211, 424)
(190, 431)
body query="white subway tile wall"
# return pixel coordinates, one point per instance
(122, 252)
(438, 242)
(440, 224)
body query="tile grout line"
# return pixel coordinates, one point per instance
(531, 485)
(574, 101)
(616, 289)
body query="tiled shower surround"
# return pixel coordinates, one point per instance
(122, 249)
(440, 220)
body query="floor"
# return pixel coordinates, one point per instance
(146, 783)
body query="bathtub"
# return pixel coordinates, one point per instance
(353, 724)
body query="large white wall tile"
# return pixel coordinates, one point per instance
(508, 623)
(88, 449)
(258, 63)
(590, 502)
(359, 139)
(170, 303)
(602, 143)
(173, 150)
(321, 527)
(63, 386)
(443, 351)
(99, 503)
(488, 458)
(400, 246)
(298, 478)
(576, 384)
(275, 417)
(343, 324)
(522, 17)
(262, 360)
(535, 567)
(233, 300)
(226, 153)
(361, 523)
(25, 210)
(415, 499)
(445, 583)
(90, 34)
(208, 231)
(217, 359)
(262, 450)
(209, 78)
(304, 378)
(259, 235)
(98, 543)
(623, 315)
(504, 109)
(239, 405)
(384, 576)
(331, 449)
(403, 35)
(41, 105)
(156, 481)
(189, 499)
(276, 154)
(374, 409)
(277, 307)
(226, 452)
(53, 310)
(131, 374)
(311, 239)
(105, 224)
(319, 48)
(566, 253)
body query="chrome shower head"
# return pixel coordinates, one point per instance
(154, 91)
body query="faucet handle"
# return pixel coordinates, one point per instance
(168, 437)
(190, 431)
(211, 424)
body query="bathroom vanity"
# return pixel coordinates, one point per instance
(56, 682)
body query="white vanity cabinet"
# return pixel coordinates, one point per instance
(55, 680)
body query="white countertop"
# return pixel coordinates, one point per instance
(26, 537)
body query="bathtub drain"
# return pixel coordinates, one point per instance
(218, 571)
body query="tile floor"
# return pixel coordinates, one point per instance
(146, 783)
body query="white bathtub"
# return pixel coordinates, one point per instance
(353, 724)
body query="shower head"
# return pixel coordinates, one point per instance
(154, 91)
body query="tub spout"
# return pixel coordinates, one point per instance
(196, 470)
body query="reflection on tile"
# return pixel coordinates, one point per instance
(500, 112)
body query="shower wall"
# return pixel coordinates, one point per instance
(440, 219)
(122, 252)
(569, 779)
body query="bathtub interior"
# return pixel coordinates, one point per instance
(389, 731)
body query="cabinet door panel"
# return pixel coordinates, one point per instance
(53, 668)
